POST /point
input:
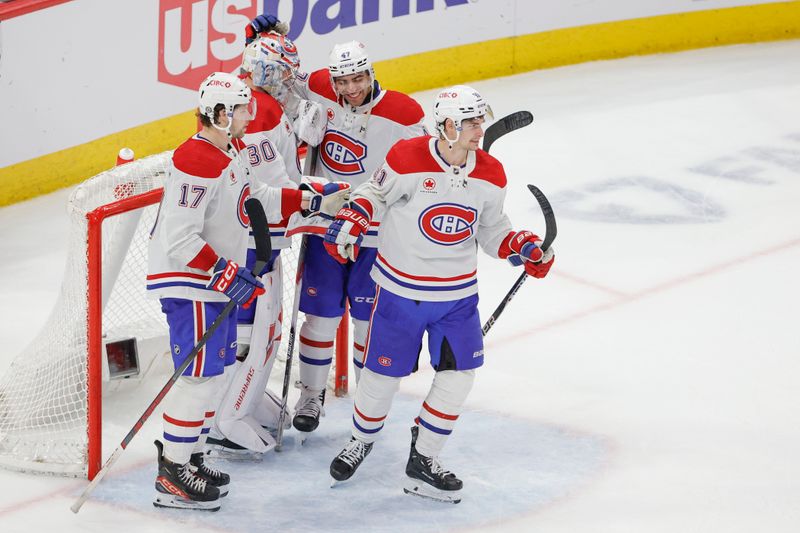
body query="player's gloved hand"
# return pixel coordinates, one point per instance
(324, 199)
(236, 282)
(344, 235)
(524, 248)
(262, 24)
(311, 122)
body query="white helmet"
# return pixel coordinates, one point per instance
(349, 58)
(273, 61)
(222, 88)
(228, 90)
(458, 103)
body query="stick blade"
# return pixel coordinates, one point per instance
(549, 217)
(507, 124)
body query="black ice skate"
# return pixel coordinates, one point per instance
(178, 486)
(349, 459)
(308, 410)
(213, 477)
(428, 479)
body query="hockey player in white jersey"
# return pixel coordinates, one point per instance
(439, 199)
(248, 412)
(364, 121)
(197, 245)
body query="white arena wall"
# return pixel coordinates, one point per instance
(82, 78)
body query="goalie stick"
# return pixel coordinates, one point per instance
(310, 167)
(258, 222)
(550, 234)
(505, 125)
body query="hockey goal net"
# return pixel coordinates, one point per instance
(102, 327)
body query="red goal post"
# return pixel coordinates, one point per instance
(51, 398)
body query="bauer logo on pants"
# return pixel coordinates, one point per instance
(448, 224)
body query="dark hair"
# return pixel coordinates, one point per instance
(206, 121)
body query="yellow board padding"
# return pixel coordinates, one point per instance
(611, 40)
(73, 165)
(439, 68)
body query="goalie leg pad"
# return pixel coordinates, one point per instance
(246, 388)
(269, 411)
(441, 409)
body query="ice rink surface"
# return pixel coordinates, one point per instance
(650, 383)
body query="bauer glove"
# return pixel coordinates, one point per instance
(524, 248)
(263, 24)
(344, 235)
(236, 282)
(324, 199)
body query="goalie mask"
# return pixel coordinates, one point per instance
(272, 62)
(458, 103)
(231, 92)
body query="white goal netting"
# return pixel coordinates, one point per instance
(43, 395)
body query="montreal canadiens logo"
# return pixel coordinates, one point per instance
(241, 212)
(342, 155)
(448, 224)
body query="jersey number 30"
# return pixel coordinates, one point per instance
(262, 152)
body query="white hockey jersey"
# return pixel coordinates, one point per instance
(434, 216)
(202, 218)
(272, 153)
(357, 139)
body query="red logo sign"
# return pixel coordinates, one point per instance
(198, 37)
(384, 361)
(448, 224)
(429, 184)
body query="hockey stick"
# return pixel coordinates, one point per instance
(550, 234)
(310, 168)
(258, 222)
(507, 124)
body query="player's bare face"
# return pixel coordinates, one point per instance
(354, 88)
(471, 133)
(242, 115)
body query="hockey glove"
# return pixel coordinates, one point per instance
(236, 282)
(325, 199)
(344, 235)
(263, 24)
(311, 122)
(523, 248)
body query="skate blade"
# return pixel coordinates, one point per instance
(170, 501)
(338, 482)
(421, 489)
(228, 454)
